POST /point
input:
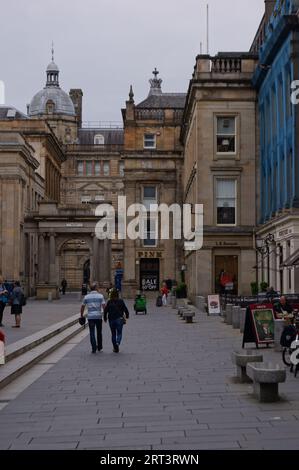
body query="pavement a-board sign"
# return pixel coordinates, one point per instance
(214, 305)
(259, 325)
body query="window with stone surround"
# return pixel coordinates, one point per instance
(226, 135)
(149, 141)
(150, 222)
(226, 201)
(80, 168)
(106, 168)
(99, 139)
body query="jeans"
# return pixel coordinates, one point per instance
(116, 327)
(2, 307)
(95, 324)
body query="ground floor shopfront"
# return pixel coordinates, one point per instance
(231, 256)
(278, 259)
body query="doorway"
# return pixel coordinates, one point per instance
(149, 274)
(226, 272)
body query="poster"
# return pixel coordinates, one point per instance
(259, 325)
(149, 283)
(214, 305)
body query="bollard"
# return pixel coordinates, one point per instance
(229, 314)
(242, 319)
(236, 318)
(50, 297)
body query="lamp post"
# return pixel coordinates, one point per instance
(263, 248)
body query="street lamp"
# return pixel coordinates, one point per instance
(262, 244)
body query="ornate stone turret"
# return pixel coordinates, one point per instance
(155, 84)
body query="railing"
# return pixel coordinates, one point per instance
(157, 115)
(94, 148)
(244, 300)
(226, 65)
(102, 125)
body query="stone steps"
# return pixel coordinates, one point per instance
(23, 354)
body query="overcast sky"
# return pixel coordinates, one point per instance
(103, 46)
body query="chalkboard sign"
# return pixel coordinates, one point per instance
(259, 325)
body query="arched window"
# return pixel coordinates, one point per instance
(50, 107)
(99, 139)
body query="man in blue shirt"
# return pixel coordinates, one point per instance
(95, 303)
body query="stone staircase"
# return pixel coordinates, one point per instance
(23, 354)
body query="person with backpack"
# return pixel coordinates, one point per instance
(3, 299)
(17, 301)
(117, 313)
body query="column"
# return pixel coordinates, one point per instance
(101, 261)
(285, 270)
(95, 258)
(41, 258)
(52, 259)
(272, 263)
(107, 260)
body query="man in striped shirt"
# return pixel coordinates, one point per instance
(95, 303)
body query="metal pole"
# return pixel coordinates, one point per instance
(208, 29)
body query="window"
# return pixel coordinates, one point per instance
(99, 139)
(149, 141)
(122, 168)
(151, 222)
(80, 168)
(97, 168)
(226, 202)
(89, 168)
(226, 135)
(106, 168)
(50, 107)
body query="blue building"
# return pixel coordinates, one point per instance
(277, 43)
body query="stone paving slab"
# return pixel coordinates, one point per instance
(38, 315)
(171, 387)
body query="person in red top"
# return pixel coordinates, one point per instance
(164, 292)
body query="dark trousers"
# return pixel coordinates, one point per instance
(93, 325)
(2, 307)
(116, 327)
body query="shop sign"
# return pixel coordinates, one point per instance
(149, 282)
(214, 305)
(150, 254)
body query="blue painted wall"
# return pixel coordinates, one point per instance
(276, 114)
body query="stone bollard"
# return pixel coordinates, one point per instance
(236, 318)
(50, 297)
(242, 359)
(229, 314)
(278, 329)
(242, 319)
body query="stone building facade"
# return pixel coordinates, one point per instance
(219, 162)
(153, 158)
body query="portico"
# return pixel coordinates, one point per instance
(66, 245)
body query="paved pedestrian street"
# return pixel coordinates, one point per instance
(171, 387)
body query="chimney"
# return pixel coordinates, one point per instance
(269, 8)
(76, 95)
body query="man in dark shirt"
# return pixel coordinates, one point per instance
(283, 307)
(116, 312)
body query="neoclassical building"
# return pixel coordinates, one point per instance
(63, 170)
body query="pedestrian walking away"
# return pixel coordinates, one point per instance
(3, 299)
(63, 286)
(117, 313)
(164, 292)
(94, 302)
(17, 303)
